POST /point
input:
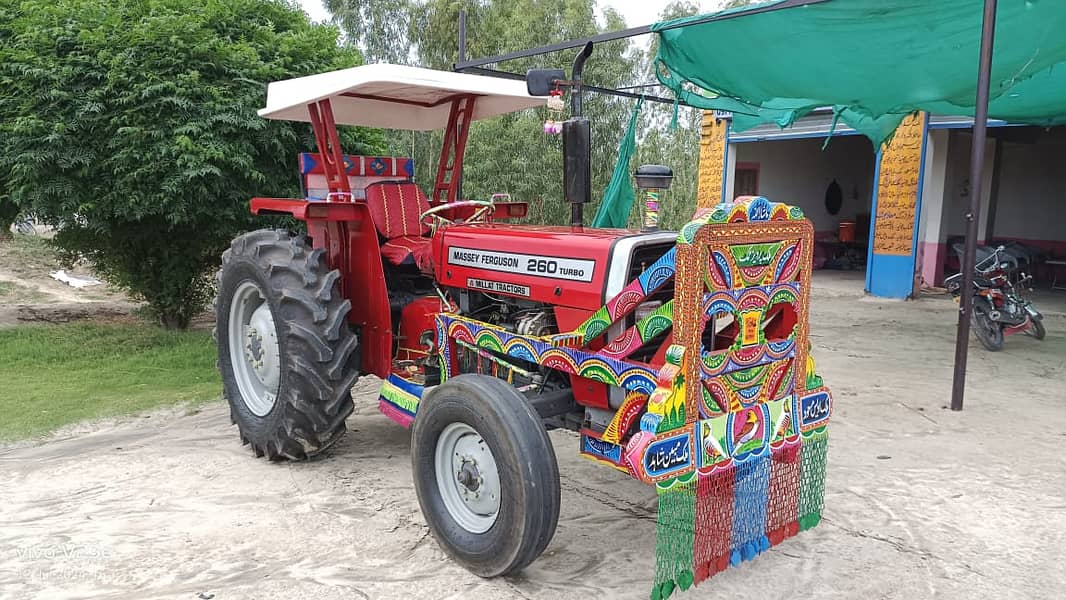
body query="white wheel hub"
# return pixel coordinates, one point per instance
(254, 352)
(467, 478)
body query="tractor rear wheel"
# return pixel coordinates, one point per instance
(286, 354)
(485, 474)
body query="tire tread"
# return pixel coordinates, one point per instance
(319, 371)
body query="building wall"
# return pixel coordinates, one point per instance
(1031, 203)
(798, 172)
(931, 224)
(957, 185)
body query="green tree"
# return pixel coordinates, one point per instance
(379, 27)
(509, 154)
(131, 126)
(660, 142)
(8, 211)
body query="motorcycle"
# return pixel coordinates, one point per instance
(998, 309)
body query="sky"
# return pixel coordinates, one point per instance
(635, 12)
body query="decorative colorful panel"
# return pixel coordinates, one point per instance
(361, 170)
(547, 352)
(366, 166)
(398, 399)
(625, 302)
(735, 434)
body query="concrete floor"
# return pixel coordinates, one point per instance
(921, 502)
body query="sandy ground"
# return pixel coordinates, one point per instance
(921, 502)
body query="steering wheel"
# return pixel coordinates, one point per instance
(436, 220)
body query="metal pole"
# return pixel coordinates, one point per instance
(977, 160)
(584, 86)
(575, 76)
(462, 36)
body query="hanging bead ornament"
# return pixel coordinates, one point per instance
(555, 100)
(555, 105)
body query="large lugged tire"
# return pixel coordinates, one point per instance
(285, 351)
(485, 474)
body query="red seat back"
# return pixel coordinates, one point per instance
(395, 207)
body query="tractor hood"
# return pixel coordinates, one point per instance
(553, 265)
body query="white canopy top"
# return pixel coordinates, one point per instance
(394, 96)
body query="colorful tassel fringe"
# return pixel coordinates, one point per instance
(709, 522)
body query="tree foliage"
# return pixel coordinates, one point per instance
(8, 212)
(131, 126)
(509, 154)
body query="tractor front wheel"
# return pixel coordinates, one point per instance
(285, 351)
(485, 474)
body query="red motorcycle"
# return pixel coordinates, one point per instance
(998, 309)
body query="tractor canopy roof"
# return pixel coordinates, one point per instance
(395, 96)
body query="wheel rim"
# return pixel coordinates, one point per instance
(253, 347)
(467, 478)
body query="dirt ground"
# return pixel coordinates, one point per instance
(28, 293)
(921, 501)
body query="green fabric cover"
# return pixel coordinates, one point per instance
(618, 197)
(873, 61)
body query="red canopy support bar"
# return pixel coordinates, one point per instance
(450, 167)
(330, 152)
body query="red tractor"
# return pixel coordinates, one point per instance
(678, 357)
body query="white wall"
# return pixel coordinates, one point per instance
(1032, 190)
(957, 187)
(934, 184)
(798, 172)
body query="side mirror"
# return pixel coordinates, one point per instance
(540, 82)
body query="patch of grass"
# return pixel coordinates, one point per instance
(52, 376)
(27, 254)
(13, 293)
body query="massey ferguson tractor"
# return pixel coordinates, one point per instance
(678, 358)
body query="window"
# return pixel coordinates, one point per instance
(746, 182)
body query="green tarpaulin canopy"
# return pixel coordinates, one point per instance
(873, 61)
(618, 197)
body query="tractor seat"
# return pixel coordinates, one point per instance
(395, 207)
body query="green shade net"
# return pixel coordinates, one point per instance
(618, 197)
(872, 61)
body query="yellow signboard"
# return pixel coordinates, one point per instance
(897, 188)
(712, 160)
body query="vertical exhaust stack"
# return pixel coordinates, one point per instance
(577, 147)
(652, 180)
(577, 164)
